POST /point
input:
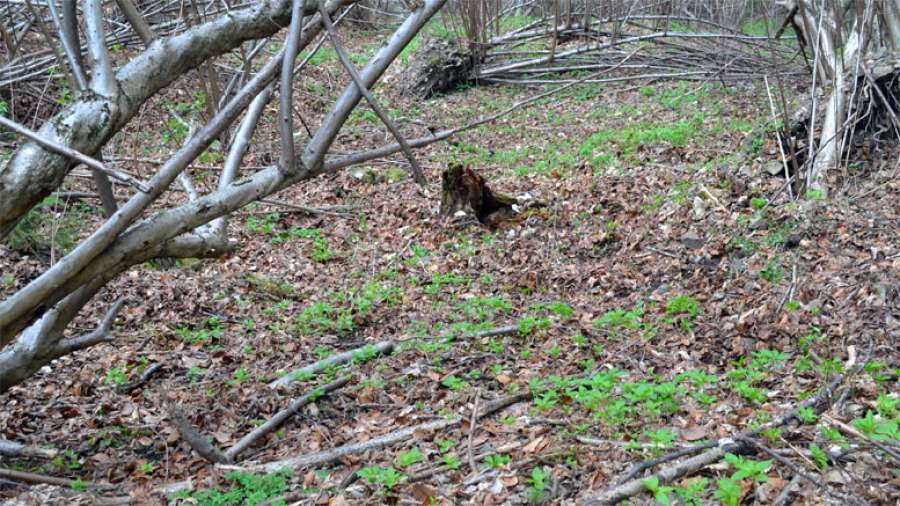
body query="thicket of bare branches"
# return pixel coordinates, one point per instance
(34, 321)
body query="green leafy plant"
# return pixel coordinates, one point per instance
(497, 460)
(689, 494)
(728, 491)
(454, 383)
(747, 468)
(117, 376)
(819, 456)
(537, 484)
(660, 493)
(408, 458)
(245, 489)
(451, 462)
(386, 477)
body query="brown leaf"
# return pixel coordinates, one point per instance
(693, 433)
(423, 493)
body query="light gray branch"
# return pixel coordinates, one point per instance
(85, 126)
(69, 39)
(348, 65)
(68, 152)
(103, 81)
(137, 21)
(288, 162)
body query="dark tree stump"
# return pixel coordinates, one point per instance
(439, 67)
(464, 190)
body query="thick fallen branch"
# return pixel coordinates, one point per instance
(13, 449)
(73, 154)
(625, 489)
(280, 417)
(196, 439)
(389, 439)
(34, 478)
(667, 474)
(383, 347)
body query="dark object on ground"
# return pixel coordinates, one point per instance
(441, 66)
(462, 189)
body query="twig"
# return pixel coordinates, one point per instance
(800, 472)
(306, 209)
(849, 429)
(93, 163)
(196, 439)
(784, 498)
(36, 478)
(145, 377)
(280, 417)
(345, 61)
(382, 347)
(391, 438)
(13, 449)
(472, 422)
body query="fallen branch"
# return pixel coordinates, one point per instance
(196, 439)
(145, 377)
(13, 449)
(35, 478)
(667, 474)
(625, 489)
(850, 430)
(382, 347)
(389, 439)
(800, 472)
(280, 417)
(473, 422)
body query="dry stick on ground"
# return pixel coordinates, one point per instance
(849, 429)
(145, 377)
(389, 439)
(13, 449)
(382, 347)
(93, 163)
(784, 498)
(22, 476)
(626, 489)
(280, 417)
(800, 472)
(196, 439)
(342, 56)
(472, 424)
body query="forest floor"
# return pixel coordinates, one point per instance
(659, 290)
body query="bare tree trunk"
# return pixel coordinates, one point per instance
(33, 321)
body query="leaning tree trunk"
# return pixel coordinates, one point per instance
(853, 45)
(34, 320)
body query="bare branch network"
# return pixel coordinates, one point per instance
(33, 321)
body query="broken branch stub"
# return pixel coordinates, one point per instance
(462, 189)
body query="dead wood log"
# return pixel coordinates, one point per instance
(196, 439)
(462, 189)
(280, 417)
(13, 449)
